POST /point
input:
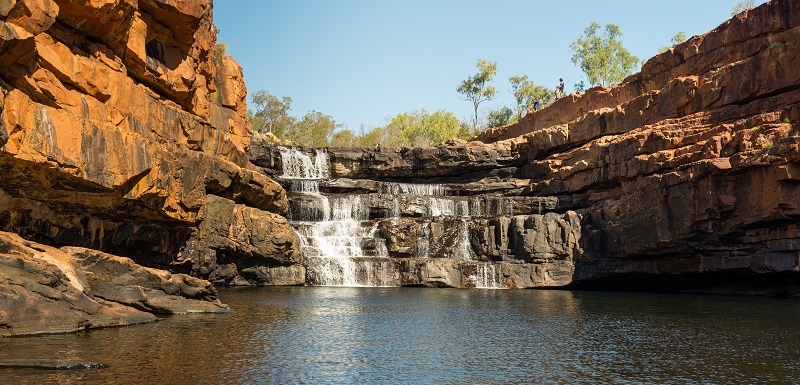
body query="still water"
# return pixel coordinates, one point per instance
(321, 335)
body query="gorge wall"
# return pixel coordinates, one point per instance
(683, 177)
(121, 133)
(124, 149)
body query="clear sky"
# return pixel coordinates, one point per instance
(363, 61)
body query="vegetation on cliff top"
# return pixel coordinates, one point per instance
(476, 89)
(601, 56)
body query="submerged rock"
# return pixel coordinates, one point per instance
(49, 364)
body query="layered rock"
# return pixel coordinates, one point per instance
(685, 169)
(120, 133)
(47, 290)
(390, 232)
(684, 176)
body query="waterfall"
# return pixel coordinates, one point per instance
(462, 250)
(487, 276)
(430, 190)
(332, 229)
(423, 242)
(441, 207)
(341, 234)
(299, 165)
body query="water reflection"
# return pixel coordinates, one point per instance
(402, 335)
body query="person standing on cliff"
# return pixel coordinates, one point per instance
(560, 89)
(536, 103)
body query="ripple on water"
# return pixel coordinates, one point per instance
(403, 335)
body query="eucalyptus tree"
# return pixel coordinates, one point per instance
(315, 129)
(524, 90)
(742, 6)
(602, 57)
(271, 114)
(476, 88)
(423, 129)
(501, 117)
(680, 37)
(343, 138)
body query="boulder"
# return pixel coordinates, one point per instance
(120, 280)
(49, 290)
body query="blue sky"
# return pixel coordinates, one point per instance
(363, 61)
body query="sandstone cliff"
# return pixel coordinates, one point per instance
(684, 176)
(687, 172)
(119, 133)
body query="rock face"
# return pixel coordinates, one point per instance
(683, 177)
(685, 170)
(50, 290)
(371, 232)
(121, 131)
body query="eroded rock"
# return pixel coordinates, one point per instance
(51, 290)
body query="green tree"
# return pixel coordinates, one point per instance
(476, 89)
(443, 125)
(742, 6)
(500, 117)
(314, 130)
(603, 58)
(524, 90)
(343, 138)
(422, 129)
(271, 114)
(256, 121)
(370, 138)
(580, 87)
(680, 37)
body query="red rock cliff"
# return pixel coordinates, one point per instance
(111, 140)
(690, 168)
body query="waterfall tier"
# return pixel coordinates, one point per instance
(389, 233)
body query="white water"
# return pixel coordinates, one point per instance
(340, 245)
(431, 190)
(332, 229)
(299, 165)
(487, 276)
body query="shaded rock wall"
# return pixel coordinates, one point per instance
(118, 132)
(687, 167)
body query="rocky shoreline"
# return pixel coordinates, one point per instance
(51, 290)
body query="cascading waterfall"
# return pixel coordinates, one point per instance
(332, 229)
(299, 165)
(487, 276)
(339, 236)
